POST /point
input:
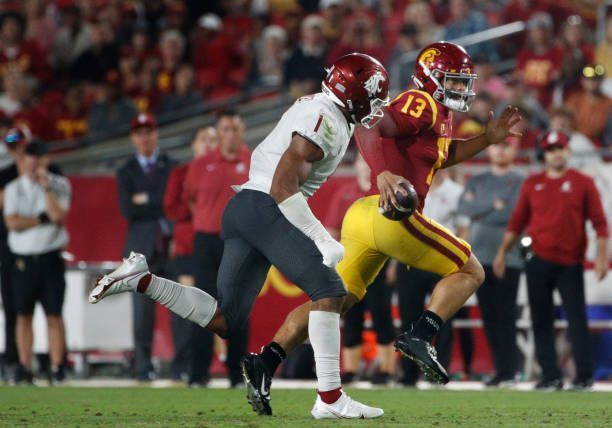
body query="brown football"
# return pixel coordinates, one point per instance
(407, 204)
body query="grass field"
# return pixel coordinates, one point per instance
(47, 407)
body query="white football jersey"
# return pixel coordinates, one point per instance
(319, 120)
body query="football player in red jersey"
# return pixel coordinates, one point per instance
(409, 144)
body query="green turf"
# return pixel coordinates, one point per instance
(46, 407)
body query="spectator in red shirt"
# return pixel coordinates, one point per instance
(539, 62)
(41, 23)
(145, 94)
(553, 207)
(178, 211)
(208, 190)
(215, 56)
(378, 298)
(71, 120)
(17, 53)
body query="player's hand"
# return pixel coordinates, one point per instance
(388, 184)
(331, 250)
(499, 264)
(601, 268)
(497, 130)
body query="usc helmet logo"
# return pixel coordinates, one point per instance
(429, 56)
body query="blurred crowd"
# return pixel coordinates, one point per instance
(80, 69)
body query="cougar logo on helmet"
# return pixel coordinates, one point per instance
(372, 85)
(359, 85)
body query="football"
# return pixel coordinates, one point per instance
(407, 204)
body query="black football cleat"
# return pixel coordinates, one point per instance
(424, 355)
(258, 381)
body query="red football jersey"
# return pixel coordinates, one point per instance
(425, 127)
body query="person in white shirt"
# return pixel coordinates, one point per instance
(269, 222)
(35, 208)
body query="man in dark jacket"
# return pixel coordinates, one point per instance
(142, 183)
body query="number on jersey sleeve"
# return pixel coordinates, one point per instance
(319, 128)
(413, 111)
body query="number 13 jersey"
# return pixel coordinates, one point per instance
(426, 127)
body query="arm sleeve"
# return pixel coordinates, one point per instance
(594, 210)
(175, 208)
(471, 204)
(522, 212)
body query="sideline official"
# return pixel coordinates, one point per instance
(553, 207)
(35, 208)
(208, 190)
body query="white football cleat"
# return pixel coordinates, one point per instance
(124, 278)
(344, 408)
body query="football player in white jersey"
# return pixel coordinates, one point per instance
(269, 222)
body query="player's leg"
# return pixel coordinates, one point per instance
(188, 302)
(296, 256)
(359, 267)
(424, 244)
(242, 273)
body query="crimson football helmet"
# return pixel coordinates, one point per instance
(359, 84)
(446, 71)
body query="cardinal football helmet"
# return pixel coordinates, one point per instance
(359, 84)
(446, 71)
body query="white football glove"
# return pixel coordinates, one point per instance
(331, 250)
